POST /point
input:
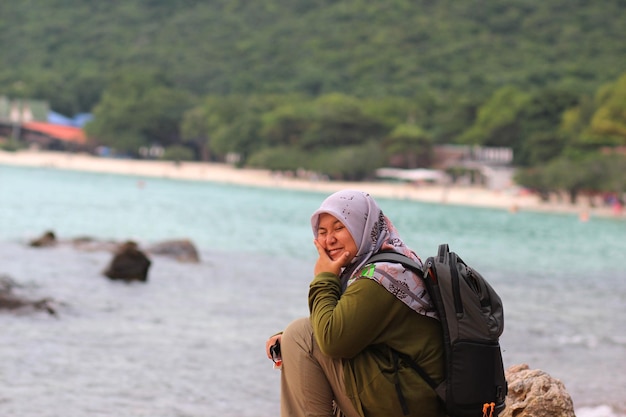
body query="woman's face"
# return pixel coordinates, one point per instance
(335, 238)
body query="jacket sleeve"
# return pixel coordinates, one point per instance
(343, 325)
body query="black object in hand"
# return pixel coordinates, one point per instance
(275, 351)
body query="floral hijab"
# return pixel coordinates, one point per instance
(373, 232)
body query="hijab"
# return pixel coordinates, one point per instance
(373, 232)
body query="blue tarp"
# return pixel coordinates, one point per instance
(78, 120)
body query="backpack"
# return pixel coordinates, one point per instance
(472, 320)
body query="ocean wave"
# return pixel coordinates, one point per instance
(599, 411)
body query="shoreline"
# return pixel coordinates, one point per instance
(512, 199)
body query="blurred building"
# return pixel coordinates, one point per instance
(31, 123)
(462, 165)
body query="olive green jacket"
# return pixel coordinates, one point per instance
(361, 326)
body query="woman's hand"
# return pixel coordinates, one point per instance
(326, 264)
(271, 342)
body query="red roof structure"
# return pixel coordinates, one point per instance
(59, 132)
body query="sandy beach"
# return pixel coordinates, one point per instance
(512, 199)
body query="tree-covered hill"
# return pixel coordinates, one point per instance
(66, 50)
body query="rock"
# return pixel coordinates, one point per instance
(182, 250)
(532, 392)
(129, 263)
(7, 284)
(47, 239)
(11, 301)
(89, 244)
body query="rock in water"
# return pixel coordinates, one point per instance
(182, 250)
(129, 264)
(45, 240)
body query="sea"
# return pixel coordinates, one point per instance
(191, 340)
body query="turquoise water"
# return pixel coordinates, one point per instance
(191, 341)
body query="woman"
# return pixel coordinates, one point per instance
(342, 358)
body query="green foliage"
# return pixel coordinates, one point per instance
(534, 179)
(410, 145)
(178, 153)
(280, 158)
(528, 123)
(232, 124)
(575, 121)
(338, 120)
(394, 110)
(614, 167)
(346, 83)
(452, 118)
(9, 145)
(538, 122)
(566, 174)
(286, 124)
(240, 137)
(593, 172)
(609, 120)
(542, 146)
(138, 109)
(291, 132)
(208, 123)
(69, 94)
(349, 163)
(352, 163)
(496, 123)
(63, 51)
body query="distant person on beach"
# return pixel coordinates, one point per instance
(340, 360)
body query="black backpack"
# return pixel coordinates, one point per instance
(472, 320)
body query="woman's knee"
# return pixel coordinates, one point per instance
(300, 333)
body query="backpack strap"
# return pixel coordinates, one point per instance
(409, 361)
(442, 252)
(396, 381)
(391, 256)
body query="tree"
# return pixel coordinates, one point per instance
(615, 167)
(410, 146)
(194, 130)
(280, 158)
(67, 93)
(350, 163)
(241, 138)
(539, 119)
(207, 124)
(609, 119)
(286, 124)
(136, 110)
(534, 179)
(338, 120)
(573, 126)
(597, 122)
(391, 111)
(497, 120)
(593, 173)
(541, 147)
